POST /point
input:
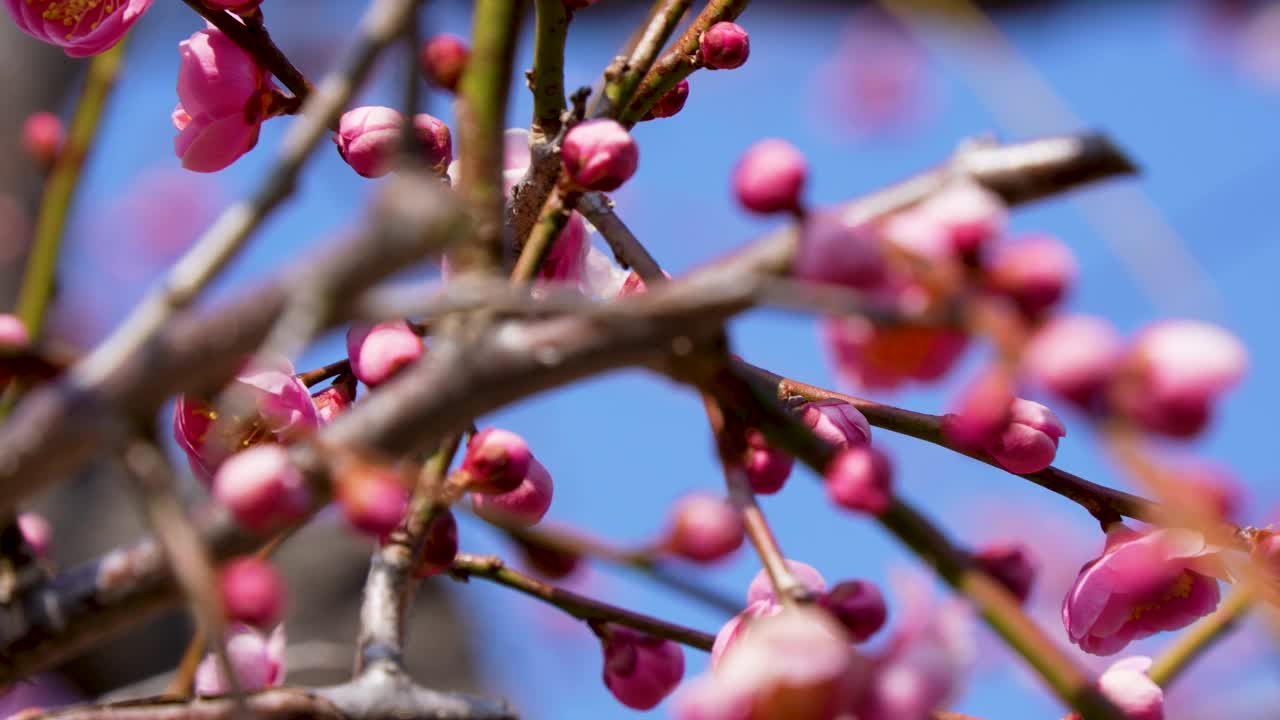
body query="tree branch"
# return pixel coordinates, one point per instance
(546, 81)
(621, 81)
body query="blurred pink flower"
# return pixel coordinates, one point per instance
(79, 28)
(258, 660)
(640, 670)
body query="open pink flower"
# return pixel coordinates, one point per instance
(256, 658)
(222, 101)
(80, 28)
(1143, 583)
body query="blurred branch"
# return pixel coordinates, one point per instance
(59, 190)
(491, 568)
(1190, 645)
(481, 117)
(224, 240)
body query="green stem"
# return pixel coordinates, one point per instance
(548, 67)
(579, 606)
(621, 83)
(678, 62)
(60, 188)
(1192, 644)
(551, 221)
(482, 112)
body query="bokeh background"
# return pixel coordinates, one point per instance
(1190, 89)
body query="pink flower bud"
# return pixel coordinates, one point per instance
(861, 479)
(442, 60)
(37, 532)
(13, 332)
(1074, 357)
(761, 588)
(221, 106)
(1034, 272)
(670, 103)
(836, 422)
(858, 606)
(1178, 369)
(252, 592)
(81, 29)
(640, 670)
(335, 399)
(496, 461)
(599, 155)
(441, 546)
(834, 252)
(368, 137)
(1127, 684)
(524, 506)
(732, 630)
(704, 528)
(377, 352)
(1011, 564)
(261, 488)
(724, 46)
(374, 499)
(42, 136)
(1030, 441)
(767, 467)
(549, 562)
(1143, 583)
(969, 214)
(868, 356)
(256, 659)
(770, 177)
(981, 412)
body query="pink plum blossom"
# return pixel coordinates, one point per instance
(378, 351)
(335, 399)
(282, 400)
(1030, 441)
(857, 605)
(442, 59)
(1127, 684)
(496, 461)
(1011, 564)
(374, 498)
(440, 547)
(523, 506)
(982, 411)
(1034, 272)
(870, 357)
(724, 46)
(968, 214)
(222, 100)
(1074, 357)
(640, 670)
(252, 592)
(1143, 583)
(860, 479)
(704, 528)
(770, 177)
(257, 658)
(767, 467)
(80, 28)
(761, 587)
(599, 155)
(368, 137)
(671, 103)
(835, 251)
(261, 488)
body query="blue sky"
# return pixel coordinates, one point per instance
(622, 447)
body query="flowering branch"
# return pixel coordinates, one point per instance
(252, 36)
(627, 248)
(621, 80)
(584, 608)
(680, 61)
(219, 244)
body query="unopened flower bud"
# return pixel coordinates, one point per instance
(640, 670)
(1127, 685)
(252, 592)
(42, 136)
(704, 528)
(1034, 273)
(835, 252)
(496, 461)
(256, 659)
(837, 422)
(261, 488)
(981, 412)
(767, 467)
(442, 60)
(37, 532)
(858, 605)
(551, 563)
(13, 332)
(368, 137)
(770, 177)
(861, 479)
(670, 103)
(969, 214)
(379, 351)
(1030, 441)
(599, 155)
(441, 545)
(761, 587)
(335, 399)
(374, 499)
(724, 46)
(1073, 357)
(1011, 564)
(524, 506)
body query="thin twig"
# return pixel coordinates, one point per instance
(627, 248)
(584, 608)
(621, 81)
